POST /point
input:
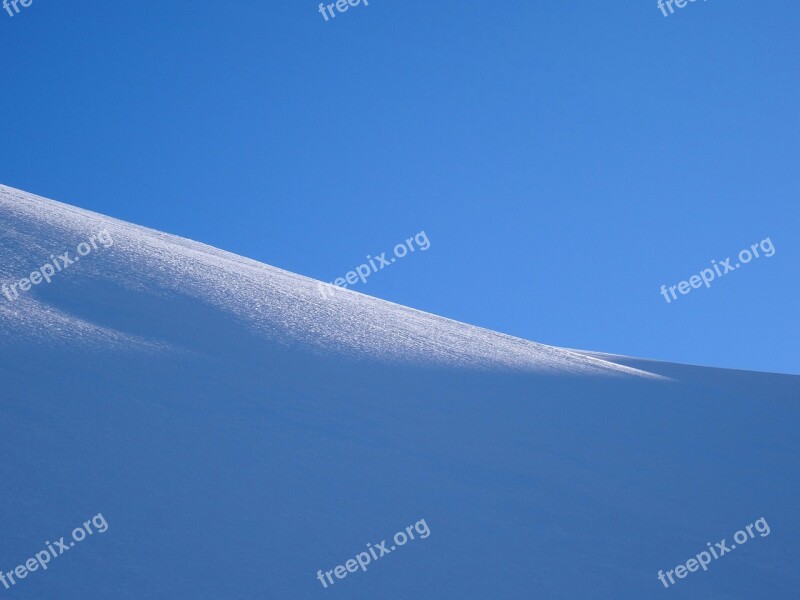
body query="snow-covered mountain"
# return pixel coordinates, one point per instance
(240, 432)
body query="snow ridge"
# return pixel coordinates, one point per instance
(276, 305)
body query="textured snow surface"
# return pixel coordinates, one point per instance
(281, 306)
(239, 433)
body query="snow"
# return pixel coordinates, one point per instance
(239, 432)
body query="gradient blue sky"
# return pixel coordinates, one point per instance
(565, 159)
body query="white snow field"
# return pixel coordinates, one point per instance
(240, 433)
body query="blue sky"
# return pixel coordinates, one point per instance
(564, 159)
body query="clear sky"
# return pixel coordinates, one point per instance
(565, 159)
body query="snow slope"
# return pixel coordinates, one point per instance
(240, 432)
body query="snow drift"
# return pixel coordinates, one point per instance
(239, 432)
